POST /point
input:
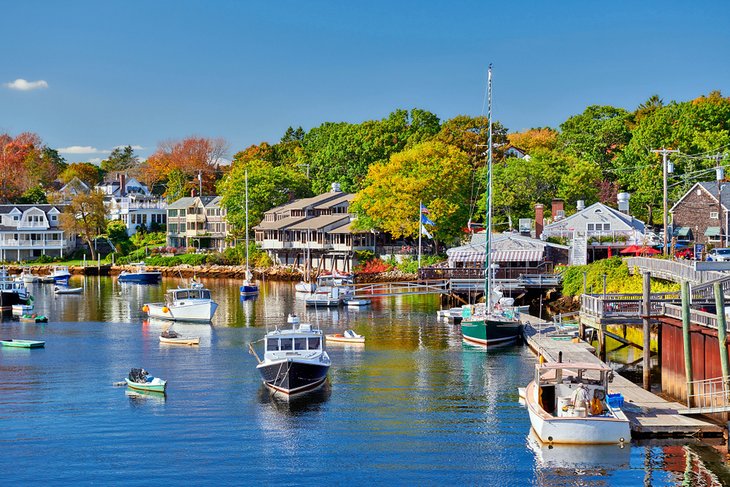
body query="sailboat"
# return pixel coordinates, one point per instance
(494, 323)
(306, 286)
(248, 288)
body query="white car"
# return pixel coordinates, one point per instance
(719, 255)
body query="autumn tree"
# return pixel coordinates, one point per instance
(431, 172)
(19, 156)
(190, 156)
(533, 139)
(89, 173)
(85, 215)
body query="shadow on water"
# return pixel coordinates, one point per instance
(306, 402)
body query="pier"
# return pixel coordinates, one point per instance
(648, 414)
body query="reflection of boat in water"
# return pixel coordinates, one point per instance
(139, 397)
(578, 456)
(298, 403)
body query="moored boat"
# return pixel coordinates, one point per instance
(60, 274)
(184, 304)
(567, 404)
(331, 297)
(21, 309)
(357, 302)
(140, 275)
(33, 318)
(28, 277)
(248, 287)
(348, 336)
(67, 290)
(295, 359)
(141, 380)
(9, 342)
(12, 292)
(174, 338)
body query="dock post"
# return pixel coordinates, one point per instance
(646, 310)
(722, 332)
(687, 340)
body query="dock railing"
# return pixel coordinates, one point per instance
(709, 395)
(672, 270)
(615, 306)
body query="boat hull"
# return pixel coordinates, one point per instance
(146, 386)
(199, 312)
(22, 343)
(305, 287)
(574, 430)
(181, 340)
(249, 290)
(291, 376)
(140, 277)
(490, 331)
(339, 338)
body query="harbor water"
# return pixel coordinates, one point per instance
(414, 405)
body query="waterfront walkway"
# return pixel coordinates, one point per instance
(648, 414)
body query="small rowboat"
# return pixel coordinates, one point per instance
(140, 380)
(21, 309)
(356, 302)
(34, 318)
(22, 343)
(348, 337)
(173, 338)
(68, 290)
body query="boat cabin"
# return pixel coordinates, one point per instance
(184, 294)
(295, 341)
(558, 382)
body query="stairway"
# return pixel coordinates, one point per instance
(579, 250)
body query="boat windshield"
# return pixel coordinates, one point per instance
(300, 344)
(272, 344)
(285, 344)
(194, 294)
(205, 294)
(314, 343)
(181, 295)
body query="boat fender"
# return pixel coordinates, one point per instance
(165, 309)
(146, 308)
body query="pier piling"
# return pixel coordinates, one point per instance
(687, 339)
(646, 310)
(722, 330)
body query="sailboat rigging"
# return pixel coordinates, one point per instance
(248, 288)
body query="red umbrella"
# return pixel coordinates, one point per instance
(610, 252)
(631, 249)
(647, 251)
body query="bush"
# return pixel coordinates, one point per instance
(410, 265)
(373, 266)
(618, 279)
(44, 259)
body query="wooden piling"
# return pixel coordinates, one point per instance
(722, 330)
(646, 310)
(687, 340)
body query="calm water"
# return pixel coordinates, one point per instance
(413, 406)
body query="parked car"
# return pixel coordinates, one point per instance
(719, 255)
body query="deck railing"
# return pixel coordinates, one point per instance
(672, 270)
(709, 395)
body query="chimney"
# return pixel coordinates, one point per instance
(122, 184)
(336, 188)
(623, 202)
(558, 209)
(539, 219)
(580, 205)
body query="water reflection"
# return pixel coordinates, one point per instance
(599, 458)
(141, 399)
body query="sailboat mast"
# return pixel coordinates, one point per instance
(246, 178)
(488, 223)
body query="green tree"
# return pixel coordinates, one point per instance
(598, 134)
(34, 196)
(431, 172)
(178, 185)
(120, 159)
(268, 186)
(85, 215)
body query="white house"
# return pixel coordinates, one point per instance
(131, 202)
(29, 231)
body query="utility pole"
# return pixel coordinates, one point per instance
(665, 159)
(719, 176)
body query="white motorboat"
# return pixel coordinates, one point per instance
(28, 277)
(357, 302)
(184, 304)
(567, 404)
(295, 359)
(305, 287)
(67, 290)
(329, 298)
(21, 309)
(348, 336)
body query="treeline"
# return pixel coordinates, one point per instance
(413, 156)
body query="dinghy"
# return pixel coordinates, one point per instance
(68, 290)
(141, 380)
(33, 318)
(348, 336)
(173, 338)
(9, 342)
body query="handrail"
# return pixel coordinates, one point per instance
(711, 395)
(672, 270)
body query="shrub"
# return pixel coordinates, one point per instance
(373, 266)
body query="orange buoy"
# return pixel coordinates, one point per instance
(146, 308)
(165, 309)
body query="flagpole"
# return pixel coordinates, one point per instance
(488, 225)
(420, 231)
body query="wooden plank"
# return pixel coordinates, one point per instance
(648, 414)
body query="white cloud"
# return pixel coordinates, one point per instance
(95, 160)
(23, 85)
(134, 147)
(80, 149)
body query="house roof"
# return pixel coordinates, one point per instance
(5, 209)
(279, 224)
(187, 201)
(346, 197)
(506, 248)
(320, 222)
(321, 201)
(710, 188)
(589, 213)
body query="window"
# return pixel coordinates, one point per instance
(195, 294)
(272, 344)
(182, 295)
(714, 215)
(300, 344)
(314, 343)
(172, 212)
(182, 212)
(173, 227)
(286, 344)
(205, 294)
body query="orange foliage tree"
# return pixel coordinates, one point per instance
(20, 160)
(190, 156)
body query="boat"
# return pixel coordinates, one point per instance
(184, 304)
(60, 274)
(295, 359)
(140, 275)
(12, 292)
(248, 287)
(33, 318)
(490, 324)
(8, 342)
(173, 338)
(587, 458)
(67, 290)
(141, 380)
(305, 287)
(348, 336)
(28, 277)
(356, 302)
(567, 403)
(21, 309)
(327, 299)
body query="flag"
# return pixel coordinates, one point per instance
(425, 232)
(424, 210)
(200, 176)
(426, 220)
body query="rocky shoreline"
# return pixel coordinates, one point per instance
(276, 273)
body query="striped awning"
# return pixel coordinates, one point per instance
(514, 255)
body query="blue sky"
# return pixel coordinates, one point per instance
(140, 72)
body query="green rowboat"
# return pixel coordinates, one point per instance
(22, 343)
(155, 385)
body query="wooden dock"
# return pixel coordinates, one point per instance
(649, 414)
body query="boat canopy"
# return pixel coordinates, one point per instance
(180, 294)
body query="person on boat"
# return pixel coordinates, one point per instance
(597, 402)
(581, 397)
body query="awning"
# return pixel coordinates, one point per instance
(682, 231)
(515, 255)
(712, 232)
(468, 256)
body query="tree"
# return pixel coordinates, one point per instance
(120, 159)
(436, 174)
(89, 173)
(17, 156)
(191, 156)
(34, 196)
(85, 215)
(539, 138)
(268, 186)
